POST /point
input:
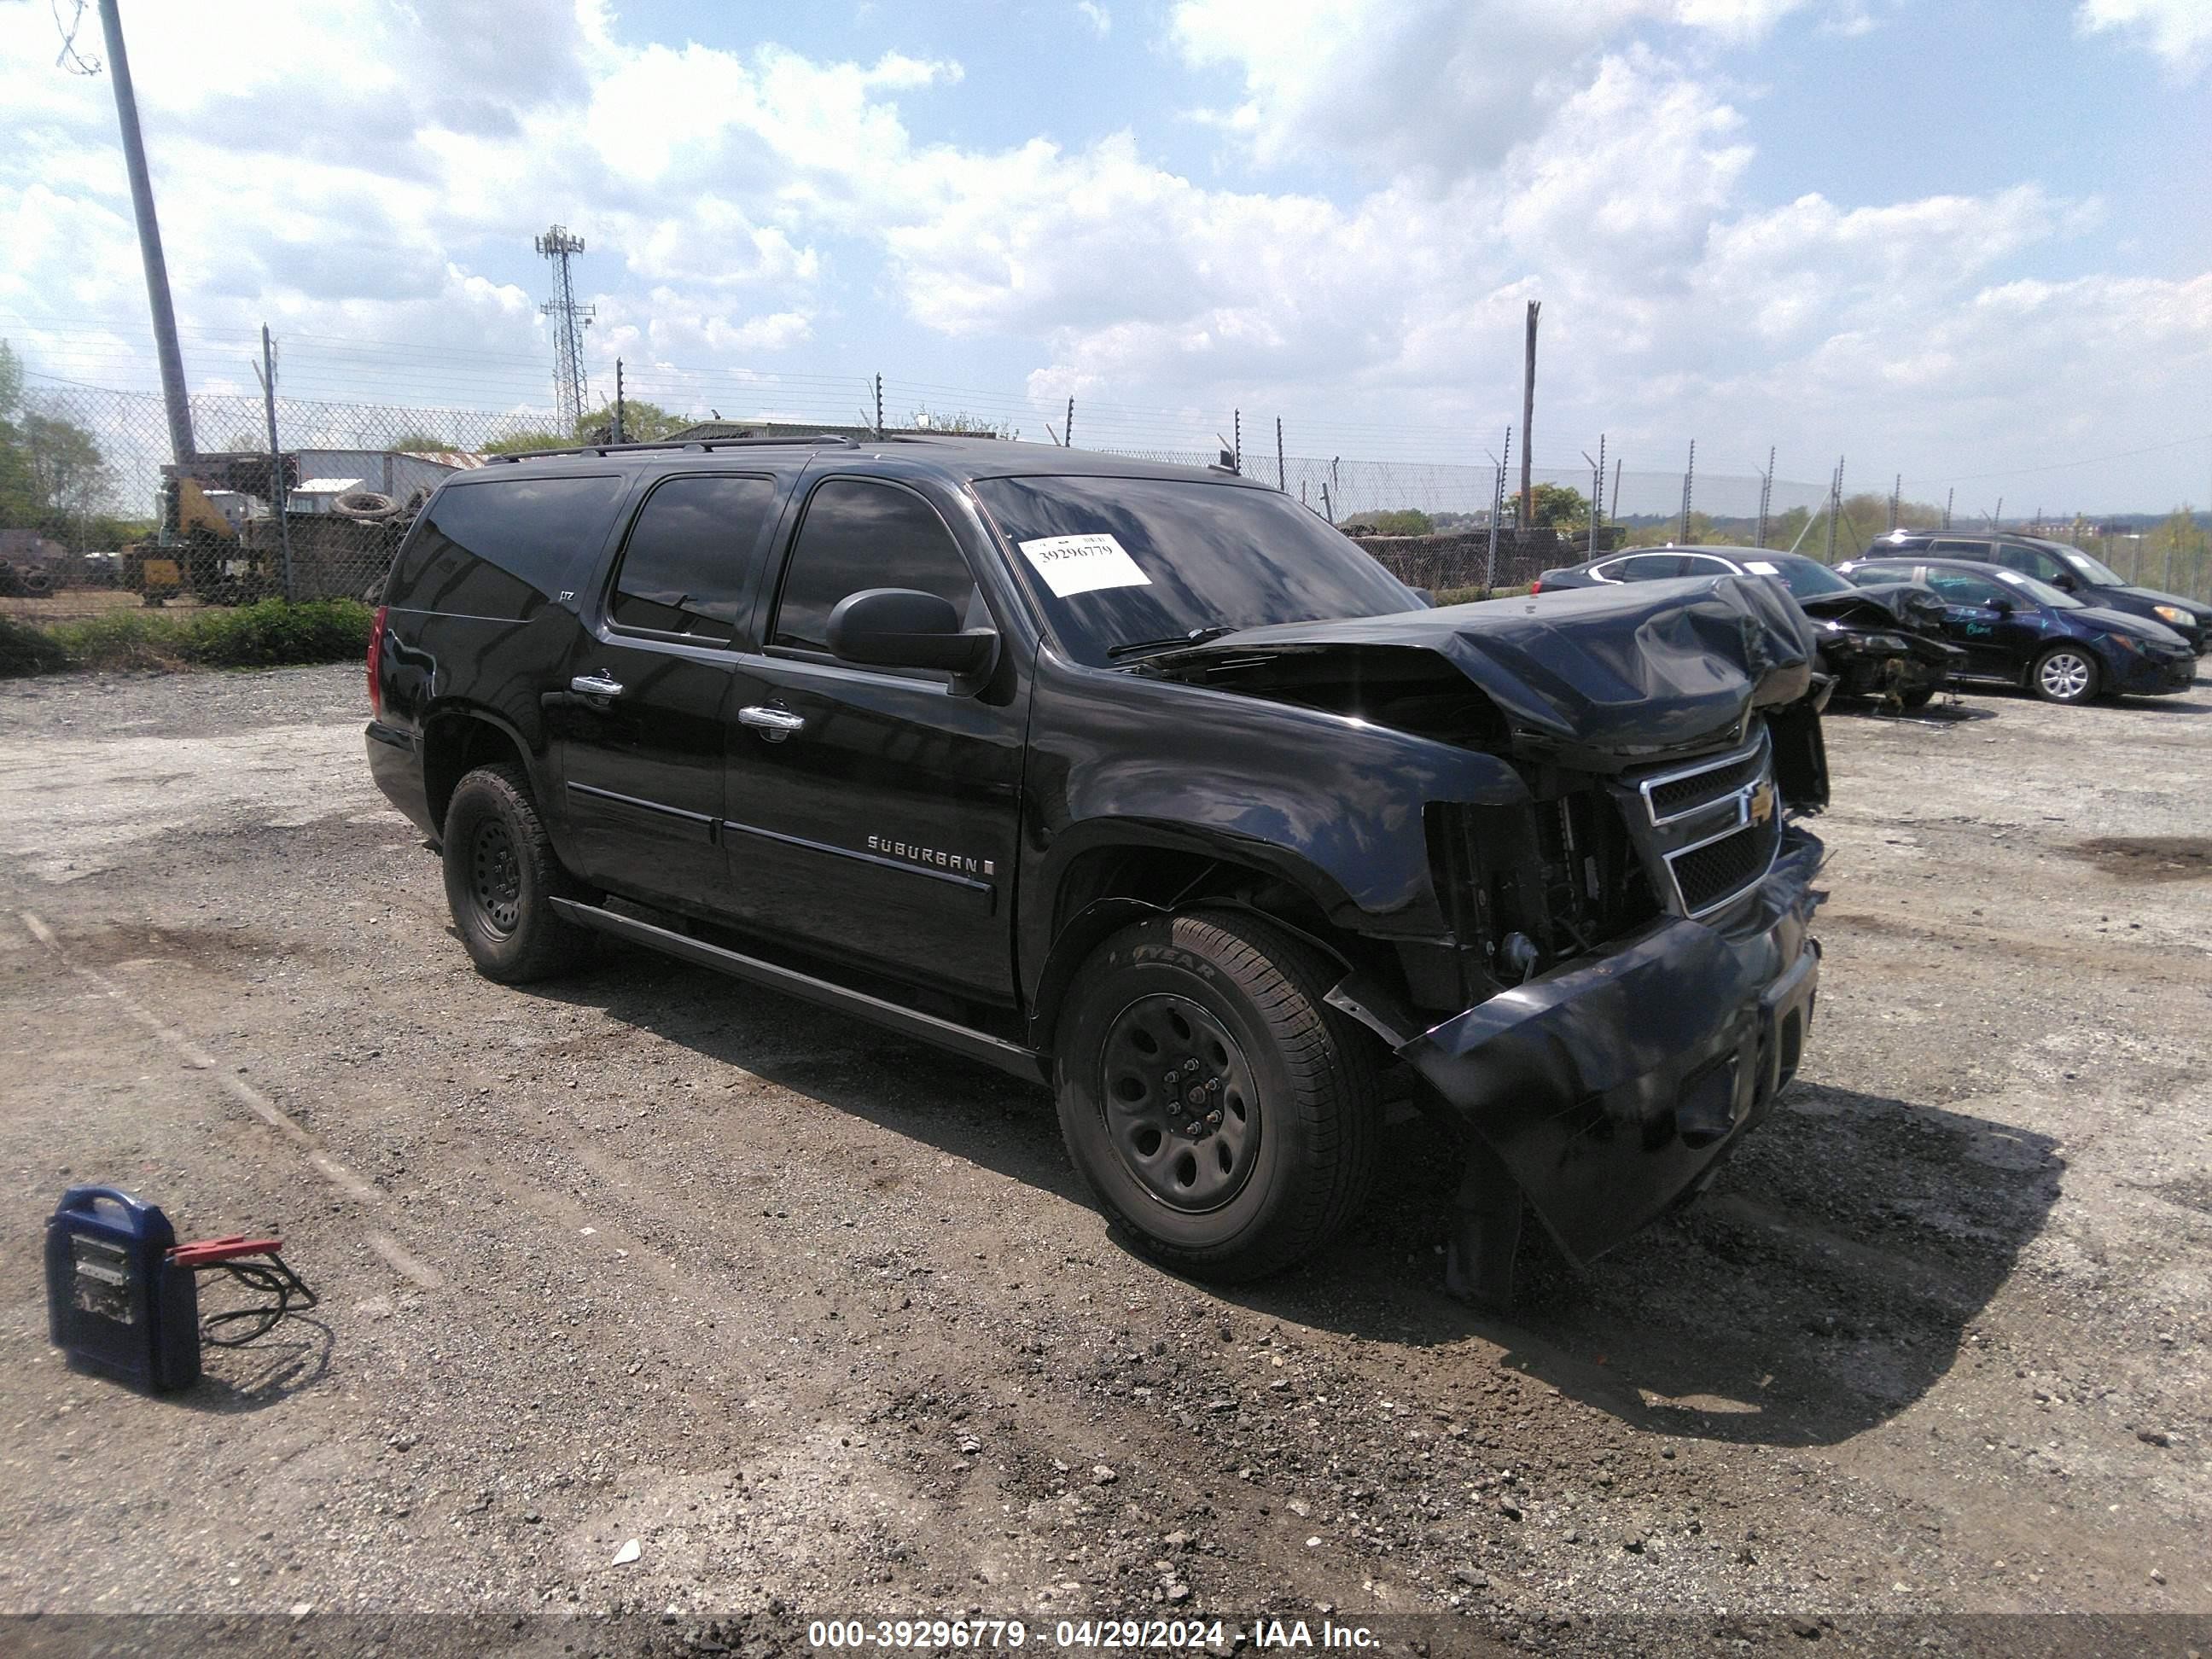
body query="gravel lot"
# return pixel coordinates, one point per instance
(820, 1319)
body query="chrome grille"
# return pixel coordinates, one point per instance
(1709, 875)
(1674, 794)
(1710, 831)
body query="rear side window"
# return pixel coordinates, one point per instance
(688, 565)
(504, 547)
(858, 534)
(1961, 549)
(2029, 561)
(1651, 566)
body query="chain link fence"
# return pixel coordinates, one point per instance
(92, 516)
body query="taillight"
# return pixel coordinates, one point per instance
(1537, 586)
(376, 650)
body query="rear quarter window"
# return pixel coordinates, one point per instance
(502, 548)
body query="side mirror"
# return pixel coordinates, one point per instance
(2002, 606)
(900, 628)
(2064, 582)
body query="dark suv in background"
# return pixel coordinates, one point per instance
(1144, 782)
(2056, 564)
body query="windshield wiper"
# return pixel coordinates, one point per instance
(1196, 636)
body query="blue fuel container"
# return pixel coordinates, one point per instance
(115, 1304)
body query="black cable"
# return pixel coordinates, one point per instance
(271, 1277)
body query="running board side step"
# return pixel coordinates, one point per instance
(1024, 1063)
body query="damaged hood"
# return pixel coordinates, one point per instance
(1597, 677)
(1908, 605)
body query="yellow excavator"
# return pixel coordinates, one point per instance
(199, 549)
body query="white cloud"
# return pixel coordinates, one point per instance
(741, 207)
(1448, 87)
(1100, 20)
(2179, 31)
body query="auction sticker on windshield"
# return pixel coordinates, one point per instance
(1083, 564)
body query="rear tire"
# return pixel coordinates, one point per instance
(501, 877)
(1263, 1144)
(2064, 674)
(1918, 697)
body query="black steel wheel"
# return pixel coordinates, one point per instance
(1224, 1114)
(1182, 1108)
(495, 878)
(501, 877)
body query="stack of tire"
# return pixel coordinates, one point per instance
(392, 518)
(24, 580)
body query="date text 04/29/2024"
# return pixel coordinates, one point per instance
(1162, 1635)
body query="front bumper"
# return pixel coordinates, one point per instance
(2146, 676)
(1610, 1087)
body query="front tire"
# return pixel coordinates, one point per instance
(1223, 1112)
(501, 877)
(2064, 674)
(1918, 697)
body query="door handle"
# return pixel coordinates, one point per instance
(596, 685)
(773, 724)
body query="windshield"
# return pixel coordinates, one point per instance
(2041, 592)
(2089, 570)
(1807, 578)
(1123, 562)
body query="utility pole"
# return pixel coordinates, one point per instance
(1996, 519)
(879, 405)
(1615, 512)
(1689, 477)
(1282, 477)
(1327, 508)
(1765, 497)
(570, 322)
(618, 400)
(1950, 496)
(1236, 436)
(181, 448)
(1529, 416)
(1070, 427)
(1896, 490)
(267, 371)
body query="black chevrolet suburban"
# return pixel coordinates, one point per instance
(1143, 782)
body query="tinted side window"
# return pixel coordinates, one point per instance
(857, 534)
(1699, 564)
(688, 565)
(504, 547)
(1651, 566)
(1961, 549)
(2029, 561)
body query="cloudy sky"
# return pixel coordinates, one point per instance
(1964, 239)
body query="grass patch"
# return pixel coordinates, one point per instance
(1470, 595)
(264, 635)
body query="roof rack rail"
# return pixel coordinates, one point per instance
(838, 439)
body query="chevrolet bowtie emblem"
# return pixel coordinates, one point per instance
(1762, 803)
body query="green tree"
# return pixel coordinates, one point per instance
(69, 475)
(1395, 521)
(515, 442)
(421, 443)
(19, 506)
(643, 422)
(1559, 506)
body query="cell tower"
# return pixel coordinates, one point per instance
(569, 321)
